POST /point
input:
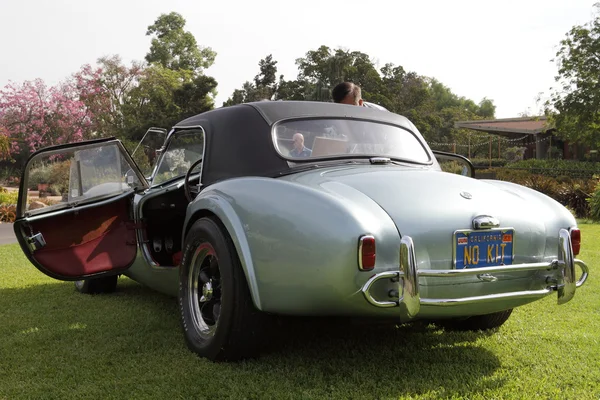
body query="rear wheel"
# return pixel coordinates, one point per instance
(106, 284)
(218, 317)
(477, 323)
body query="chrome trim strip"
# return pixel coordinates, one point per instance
(566, 288)
(410, 301)
(584, 272)
(393, 275)
(477, 299)
(486, 270)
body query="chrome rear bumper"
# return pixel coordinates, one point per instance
(407, 277)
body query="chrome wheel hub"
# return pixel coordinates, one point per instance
(207, 292)
(204, 291)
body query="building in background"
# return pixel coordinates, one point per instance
(533, 133)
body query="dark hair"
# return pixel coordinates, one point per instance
(343, 89)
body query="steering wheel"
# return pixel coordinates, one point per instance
(186, 181)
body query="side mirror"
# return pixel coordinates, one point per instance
(454, 163)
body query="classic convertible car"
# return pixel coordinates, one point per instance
(284, 208)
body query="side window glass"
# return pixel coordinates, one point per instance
(184, 148)
(147, 152)
(63, 178)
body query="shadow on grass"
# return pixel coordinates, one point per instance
(58, 343)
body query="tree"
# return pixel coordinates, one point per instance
(177, 49)
(34, 116)
(164, 97)
(174, 86)
(574, 107)
(263, 87)
(106, 91)
(4, 144)
(430, 105)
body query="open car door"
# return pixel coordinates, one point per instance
(74, 213)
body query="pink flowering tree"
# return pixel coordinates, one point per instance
(33, 115)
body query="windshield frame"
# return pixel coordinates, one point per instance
(348, 156)
(164, 150)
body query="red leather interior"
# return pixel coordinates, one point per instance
(87, 241)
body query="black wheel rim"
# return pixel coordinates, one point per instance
(204, 288)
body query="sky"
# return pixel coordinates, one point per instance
(478, 48)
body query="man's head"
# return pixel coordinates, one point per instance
(298, 141)
(347, 93)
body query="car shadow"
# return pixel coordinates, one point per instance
(322, 357)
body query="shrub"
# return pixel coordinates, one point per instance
(594, 203)
(574, 194)
(485, 162)
(56, 174)
(543, 184)
(40, 174)
(513, 154)
(512, 175)
(555, 168)
(7, 197)
(8, 213)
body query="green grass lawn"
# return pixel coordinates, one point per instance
(56, 343)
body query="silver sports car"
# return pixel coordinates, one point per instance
(254, 211)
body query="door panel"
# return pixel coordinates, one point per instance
(88, 241)
(82, 226)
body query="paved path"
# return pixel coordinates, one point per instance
(7, 235)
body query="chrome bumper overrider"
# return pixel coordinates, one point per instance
(407, 278)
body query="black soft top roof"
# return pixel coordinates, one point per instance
(239, 140)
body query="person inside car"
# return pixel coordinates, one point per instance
(299, 149)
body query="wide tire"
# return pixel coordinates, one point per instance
(106, 284)
(218, 317)
(477, 323)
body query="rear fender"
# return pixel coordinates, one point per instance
(217, 204)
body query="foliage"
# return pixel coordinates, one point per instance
(485, 162)
(174, 48)
(430, 105)
(55, 174)
(557, 168)
(573, 193)
(8, 197)
(264, 86)
(106, 91)
(4, 144)
(8, 212)
(515, 153)
(453, 167)
(9, 174)
(36, 116)
(165, 97)
(575, 105)
(512, 175)
(594, 203)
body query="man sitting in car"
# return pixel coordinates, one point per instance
(299, 149)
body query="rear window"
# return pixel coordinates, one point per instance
(304, 140)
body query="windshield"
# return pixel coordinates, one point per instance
(303, 140)
(184, 148)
